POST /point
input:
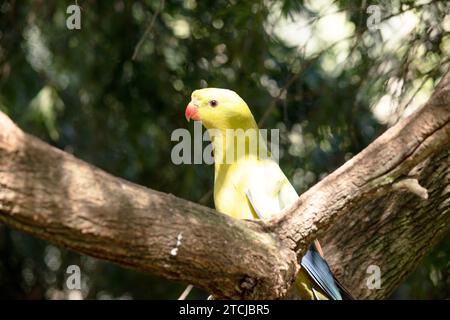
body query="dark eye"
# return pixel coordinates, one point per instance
(213, 103)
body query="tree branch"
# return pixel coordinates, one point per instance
(52, 195)
(370, 174)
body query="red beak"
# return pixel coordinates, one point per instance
(191, 112)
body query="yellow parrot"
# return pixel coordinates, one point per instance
(249, 185)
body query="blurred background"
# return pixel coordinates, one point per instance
(332, 75)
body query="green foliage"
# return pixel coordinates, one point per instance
(81, 91)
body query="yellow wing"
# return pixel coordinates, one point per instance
(243, 188)
(256, 189)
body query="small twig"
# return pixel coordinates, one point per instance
(186, 292)
(295, 76)
(412, 185)
(205, 198)
(147, 31)
(413, 7)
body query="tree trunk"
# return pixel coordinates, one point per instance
(393, 232)
(386, 207)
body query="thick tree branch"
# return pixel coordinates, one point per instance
(376, 171)
(51, 194)
(393, 232)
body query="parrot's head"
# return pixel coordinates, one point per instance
(219, 109)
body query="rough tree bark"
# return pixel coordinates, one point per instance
(387, 207)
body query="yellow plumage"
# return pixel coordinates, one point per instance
(250, 186)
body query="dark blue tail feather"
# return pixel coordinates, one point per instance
(320, 272)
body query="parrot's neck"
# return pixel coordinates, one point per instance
(233, 146)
